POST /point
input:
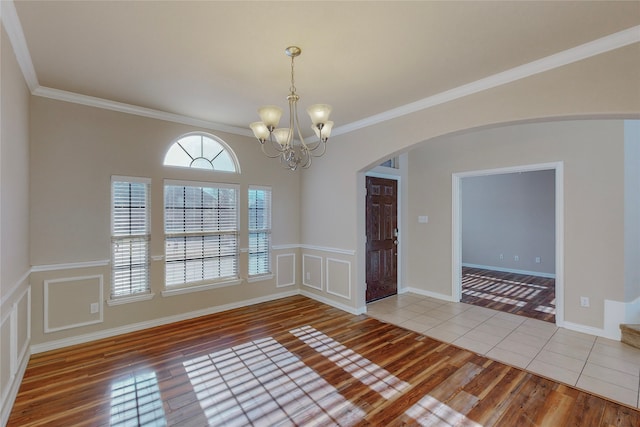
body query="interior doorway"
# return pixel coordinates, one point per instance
(509, 278)
(381, 213)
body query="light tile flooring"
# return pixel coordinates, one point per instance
(604, 367)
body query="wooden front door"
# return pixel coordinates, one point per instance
(382, 238)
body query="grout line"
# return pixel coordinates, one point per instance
(517, 329)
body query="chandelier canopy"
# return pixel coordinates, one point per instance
(281, 143)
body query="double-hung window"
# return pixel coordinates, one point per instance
(201, 233)
(259, 230)
(129, 236)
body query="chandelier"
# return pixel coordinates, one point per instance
(281, 142)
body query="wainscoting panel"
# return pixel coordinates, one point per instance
(312, 271)
(22, 313)
(285, 270)
(8, 353)
(60, 314)
(339, 278)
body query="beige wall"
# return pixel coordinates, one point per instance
(333, 191)
(75, 151)
(593, 155)
(14, 226)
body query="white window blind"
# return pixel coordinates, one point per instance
(201, 232)
(259, 230)
(129, 236)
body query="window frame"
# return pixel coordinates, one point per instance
(146, 294)
(205, 283)
(262, 275)
(225, 148)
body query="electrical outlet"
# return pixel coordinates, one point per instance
(94, 308)
(308, 276)
(538, 260)
(501, 256)
(516, 258)
(584, 302)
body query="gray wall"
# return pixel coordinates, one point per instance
(507, 216)
(632, 209)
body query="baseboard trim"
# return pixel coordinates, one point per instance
(351, 310)
(10, 398)
(108, 333)
(510, 270)
(426, 293)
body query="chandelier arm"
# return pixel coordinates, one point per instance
(271, 156)
(297, 128)
(307, 163)
(277, 148)
(321, 153)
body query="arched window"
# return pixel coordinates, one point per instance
(202, 151)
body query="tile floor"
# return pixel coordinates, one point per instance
(604, 367)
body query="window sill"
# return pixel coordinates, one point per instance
(127, 300)
(260, 278)
(169, 292)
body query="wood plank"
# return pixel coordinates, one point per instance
(74, 386)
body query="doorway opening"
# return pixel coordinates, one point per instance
(507, 240)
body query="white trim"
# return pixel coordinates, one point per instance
(426, 293)
(328, 249)
(127, 179)
(22, 352)
(456, 226)
(70, 266)
(108, 333)
(201, 184)
(9, 397)
(286, 246)
(170, 292)
(100, 318)
(259, 278)
(559, 59)
(91, 101)
(19, 43)
(329, 291)
(225, 146)
(129, 299)
(278, 284)
(13, 341)
(590, 330)
(510, 270)
(340, 306)
(304, 272)
(7, 296)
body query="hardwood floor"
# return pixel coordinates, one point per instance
(292, 362)
(524, 295)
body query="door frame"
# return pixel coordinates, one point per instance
(398, 175)
(396, 178)
(456, 227)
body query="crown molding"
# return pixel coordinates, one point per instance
(587, 50)
(92, 101)
(14, 30)
(565, 57)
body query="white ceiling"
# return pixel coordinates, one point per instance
(219, 61)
